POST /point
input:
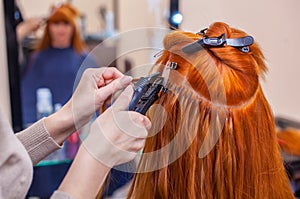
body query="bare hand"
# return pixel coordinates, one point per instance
(94, 88)
(117, 135)
(28, 26)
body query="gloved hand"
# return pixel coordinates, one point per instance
(117, 135)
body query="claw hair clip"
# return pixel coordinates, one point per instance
(241, 43)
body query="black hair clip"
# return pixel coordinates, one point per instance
(172, 65)
(241, 43)
(158, 54)
(202, 32)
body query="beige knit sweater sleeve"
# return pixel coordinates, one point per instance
(15, 164)
(37, 141)
(39, 144)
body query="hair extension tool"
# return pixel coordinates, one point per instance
(146, 92)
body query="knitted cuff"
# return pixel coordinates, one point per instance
(37, 141)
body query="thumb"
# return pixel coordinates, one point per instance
(105, 92)
(124, 99)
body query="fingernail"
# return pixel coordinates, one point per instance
(126, 80)
(142, 119)
(148, 126)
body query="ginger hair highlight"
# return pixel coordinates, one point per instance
(289, 140)
(68, 13)
(245, 161)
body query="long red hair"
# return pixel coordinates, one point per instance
(289, 140)
(65, 12)
(213, 90)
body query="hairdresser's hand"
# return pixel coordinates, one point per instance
(28, 26)
(95, 87)
(117, 135)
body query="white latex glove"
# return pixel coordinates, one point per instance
(117, 135)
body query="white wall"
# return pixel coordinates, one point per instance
(4, 86)
(134, 15)
(275, 26)
(34, 8)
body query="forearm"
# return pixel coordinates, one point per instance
(37, 141)
(48, 134)
(85, 177)
(60, 125)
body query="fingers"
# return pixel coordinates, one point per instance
(147, 123)
(112, 145)
(123, 100)
(92, 76)
(133, 124)
(105, 92)
(140, 120)
(137, 145)
(110, 74)
(104, 76)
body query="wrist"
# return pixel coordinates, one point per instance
(99, 146)
(85, 176)
(60, 124)
(92, 160)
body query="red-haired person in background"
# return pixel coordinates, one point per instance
(216, 136)
(57, 60)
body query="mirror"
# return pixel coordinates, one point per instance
(125, 52)
(98, 21)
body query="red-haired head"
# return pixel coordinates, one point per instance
(61, 25)
(215, 137)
